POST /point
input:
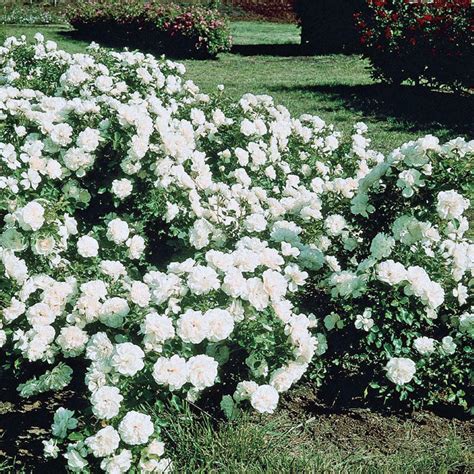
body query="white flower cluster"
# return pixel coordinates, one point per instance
(92, 164)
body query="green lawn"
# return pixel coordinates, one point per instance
(336, 87)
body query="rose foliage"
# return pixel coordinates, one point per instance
(168, 241)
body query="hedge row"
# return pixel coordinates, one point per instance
(180, 31)
(327, 26)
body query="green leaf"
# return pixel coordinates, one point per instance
(75, 436)
(228, 407)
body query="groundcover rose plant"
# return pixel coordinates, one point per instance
(165, 238)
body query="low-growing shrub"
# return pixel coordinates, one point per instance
(180, 31)
(430, 42)
(176, 244)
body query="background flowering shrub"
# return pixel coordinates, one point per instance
(421, 41)
(184, 31)
(164, 239)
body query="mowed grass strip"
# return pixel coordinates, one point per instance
(280, 444)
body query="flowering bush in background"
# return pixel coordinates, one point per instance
(173, 240)
(421, 41)
(184, 31)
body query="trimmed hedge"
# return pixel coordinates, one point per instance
(179, 31)
(327, 26)
(431, 43)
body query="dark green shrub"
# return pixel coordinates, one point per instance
(327, 26)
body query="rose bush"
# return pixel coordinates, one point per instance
(171, 240)
(428, 42)
(184, 31)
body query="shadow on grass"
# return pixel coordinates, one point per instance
(406, 107)
(140, 42)
(288, 50)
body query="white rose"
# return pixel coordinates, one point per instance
(14, 310)
(113, 311)
(192, 327)
(400, 370)
(172, 372)
(140, 294)
(122, 188)
(256, 294)
(255, 223)
(106, 402)
(244, 390)
(136, 246)
(202, 280)
(234, 283)
(155, 448)
(104, 442)
(15, 267)
(113, 269)
(220, 324)
(335, 224)
(40, 314)
(451, 204)
(72, 340)
(202, 371)
(118, 464)
(31, 217)
(44, 246)
(274, 284)
(136, 428)
(424, 345)
(61, 134)
(264, 399)
(87, 247)
(117, 231)
(449, 346)
(127, 359)
(157, 329)
(391, 272)
(88, 139)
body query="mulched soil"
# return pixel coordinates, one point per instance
(378, 432)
